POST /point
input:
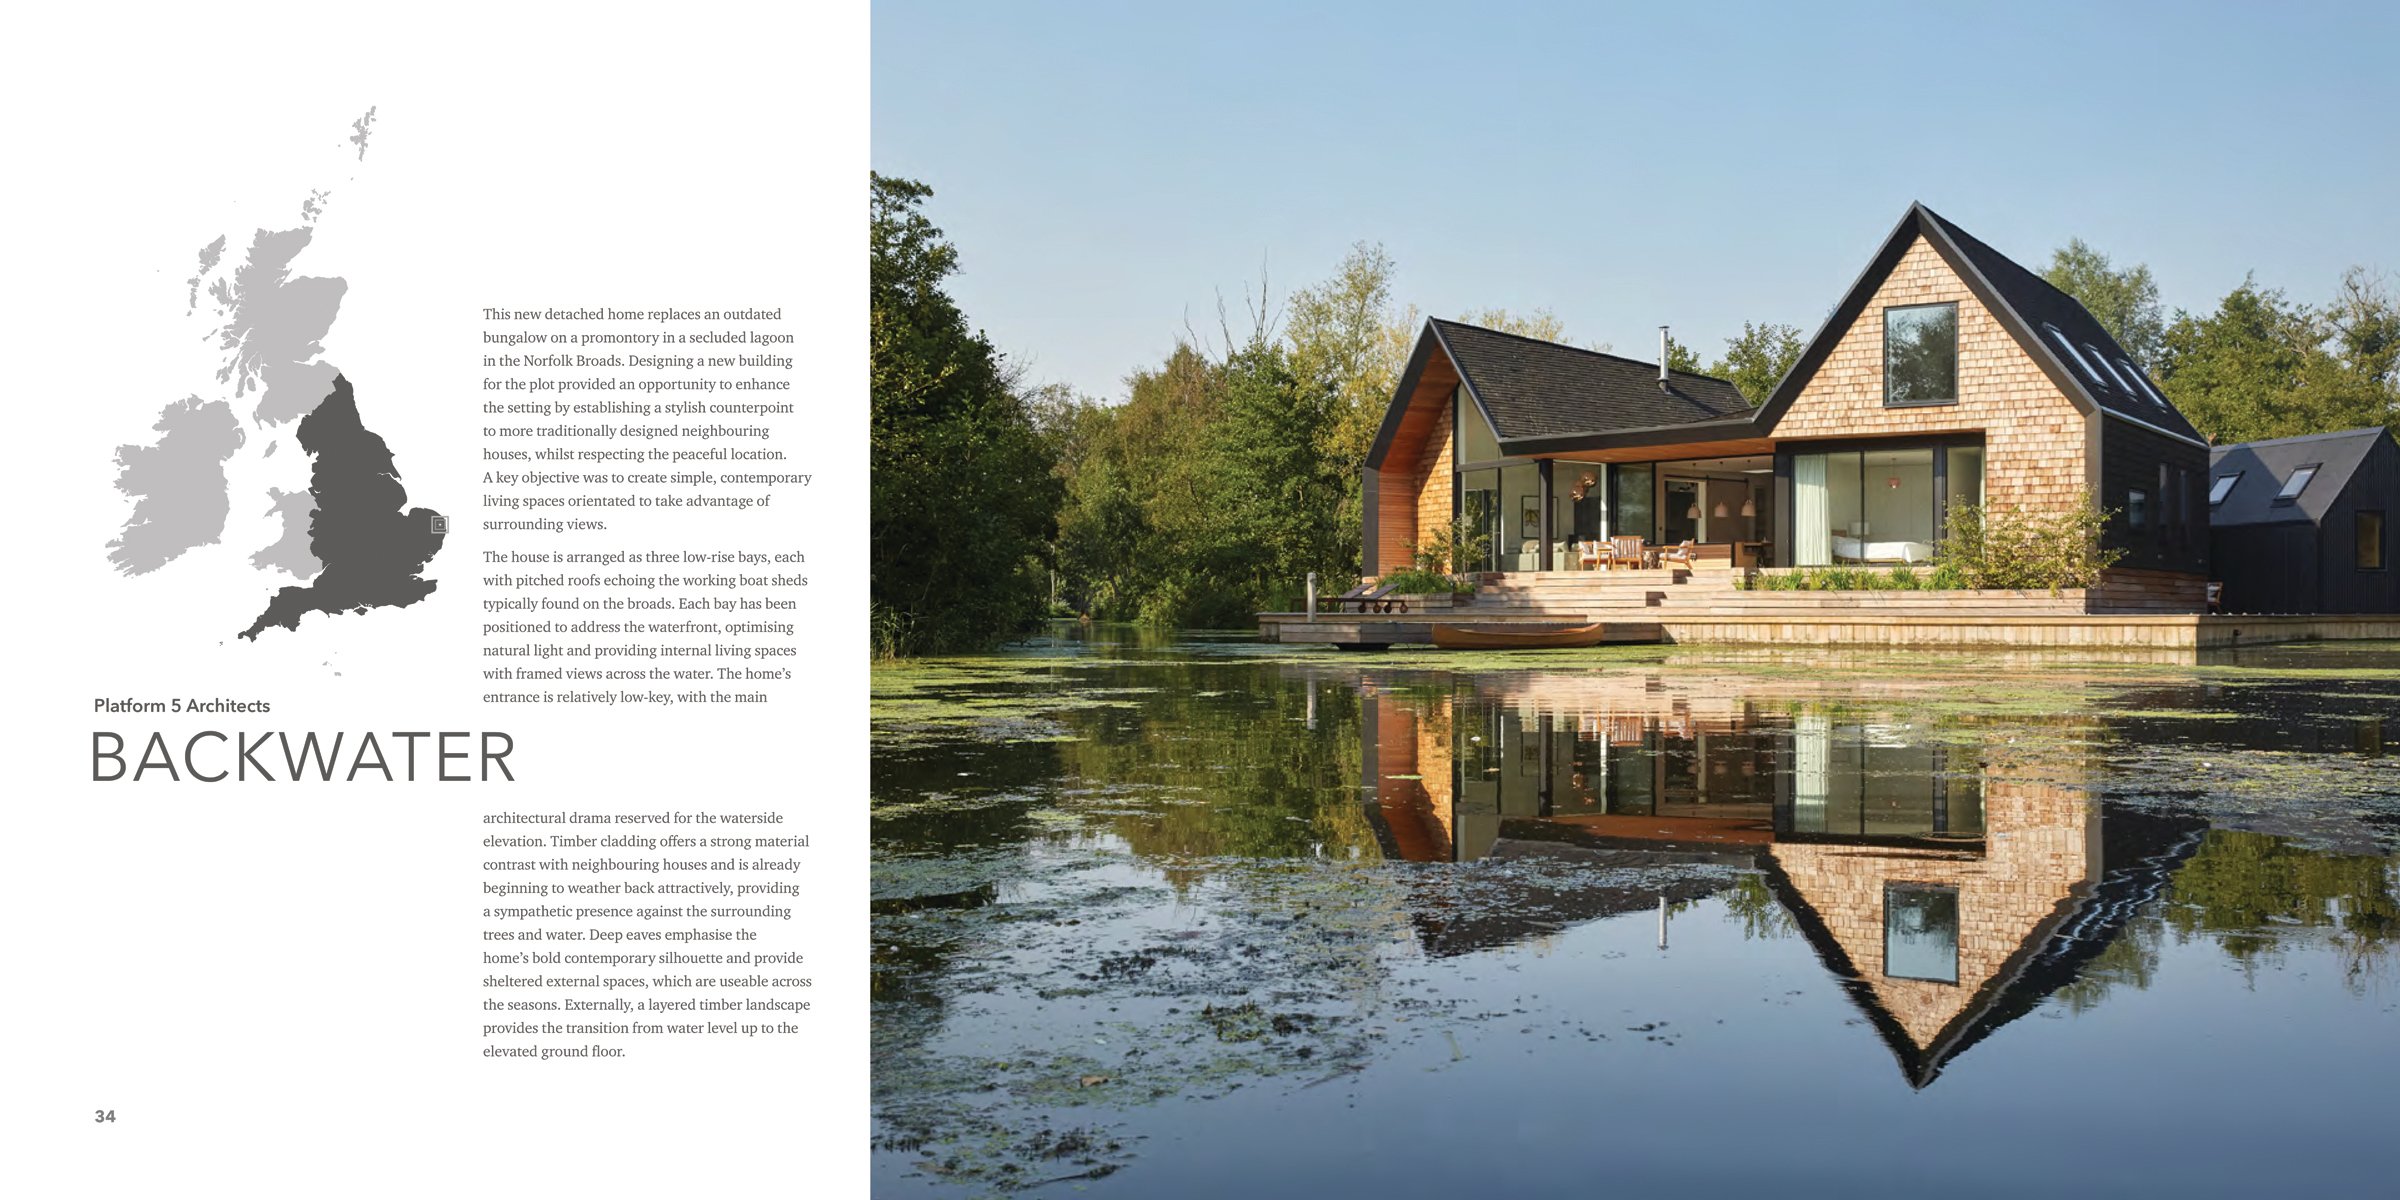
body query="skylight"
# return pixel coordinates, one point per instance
(2299, 480)
(2222, 488)
(2144, 380)
(2073, 353)
(2102, 359)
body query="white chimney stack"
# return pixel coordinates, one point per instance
(1662, 358)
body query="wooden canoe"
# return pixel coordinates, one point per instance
(1518, 637)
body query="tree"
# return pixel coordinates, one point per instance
(1756, 359)
(1347, 340)
(2123, 300)
(1540, 323)
(963, 493)
(1681, 358)
(2260, 366)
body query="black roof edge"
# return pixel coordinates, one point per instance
(2327, 436)
(1845, 313)
(1922, 221)
(1433, 325)
(1651, 364)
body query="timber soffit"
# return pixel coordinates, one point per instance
(1534, 393)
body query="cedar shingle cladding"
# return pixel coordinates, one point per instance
(2035, 438)
(2041, 848)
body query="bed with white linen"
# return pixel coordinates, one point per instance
(1850, 549)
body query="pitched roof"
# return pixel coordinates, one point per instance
(2025, 304)
(1531, 388)
(2265, 466)
(2140, 854)
(2125, 390)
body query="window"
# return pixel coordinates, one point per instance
(2071, 352)
(2369, 533)
(2299, 480)
(1633, 515)
(2123, 384)
(1476, 441)
(2222, 488)
(1920, 354)
(1920, 932)
(2137, 509)
(2134, 373)
(1880, 506)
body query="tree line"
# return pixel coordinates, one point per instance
(1227, 472)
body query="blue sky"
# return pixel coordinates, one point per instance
(1107, 170)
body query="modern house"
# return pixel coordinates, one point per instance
(1949, 890)
(1946, 375)
(2303, 524)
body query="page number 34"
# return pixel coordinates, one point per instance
(104, 1116)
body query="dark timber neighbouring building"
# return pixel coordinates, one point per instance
(2303, 524)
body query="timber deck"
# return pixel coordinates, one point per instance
(1707, 606)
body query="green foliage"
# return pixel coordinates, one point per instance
(1984, 549)
(1416, 581)
(963, 494)
(1454, 549)
(1347, 338)
(1681, 358)
(1756, 360)
(2011, 548)
(2239, 883)
(1539, 323)
(1210, 494)
(2264, 366)
(2123, 299)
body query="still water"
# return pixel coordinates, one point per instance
(1199, 917)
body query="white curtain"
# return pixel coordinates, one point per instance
(1812, 747)
(1812, 512)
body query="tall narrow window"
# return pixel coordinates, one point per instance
(2137, 509)
(1920, 354)
(2369, 532)
(1476, 441)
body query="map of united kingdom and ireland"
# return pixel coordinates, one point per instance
(349, 539)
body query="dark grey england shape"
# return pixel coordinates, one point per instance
(371, 550)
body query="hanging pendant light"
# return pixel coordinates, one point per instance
(1694, 511)
(1750, 507)
(1720, 510)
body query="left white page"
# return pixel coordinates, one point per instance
(314, 985)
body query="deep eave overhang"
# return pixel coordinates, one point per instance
(1722, 429)
(1427, 342)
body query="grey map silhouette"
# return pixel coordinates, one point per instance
(371, 551)
(345, 539)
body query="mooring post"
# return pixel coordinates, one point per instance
(1662, 922)
(1312, 595)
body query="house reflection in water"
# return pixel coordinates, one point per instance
(1948, 883)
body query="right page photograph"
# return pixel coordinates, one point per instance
(1672, 601)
